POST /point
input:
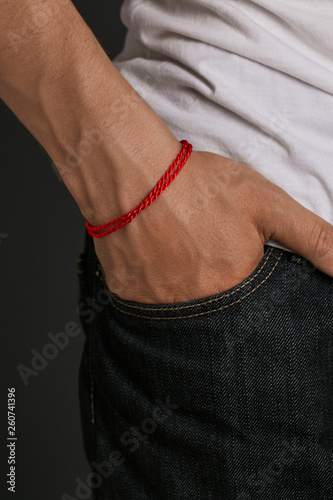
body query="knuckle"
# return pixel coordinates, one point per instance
(322, 236)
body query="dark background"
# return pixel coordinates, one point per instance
(39, 294)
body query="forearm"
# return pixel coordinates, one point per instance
(110, 147)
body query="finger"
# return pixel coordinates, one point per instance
(299, 229)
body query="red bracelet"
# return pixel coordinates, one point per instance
(100, 231)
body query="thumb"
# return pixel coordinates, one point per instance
(299, 229)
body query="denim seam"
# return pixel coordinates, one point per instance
(220, 295)
(198, 305)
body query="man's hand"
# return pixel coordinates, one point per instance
(205, 233)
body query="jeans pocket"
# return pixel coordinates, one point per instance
(206, 305)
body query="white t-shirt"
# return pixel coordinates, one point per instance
(250, 80)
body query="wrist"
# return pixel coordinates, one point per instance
(112, 148)
(117, 183)
(109, 146)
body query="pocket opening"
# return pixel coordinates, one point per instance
(209, 304)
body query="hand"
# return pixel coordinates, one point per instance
(206, 232)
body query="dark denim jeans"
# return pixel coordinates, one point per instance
(227, 397)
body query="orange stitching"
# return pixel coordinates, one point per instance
(206, 312)
(201, 303)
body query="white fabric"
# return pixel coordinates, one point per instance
(250, 80)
